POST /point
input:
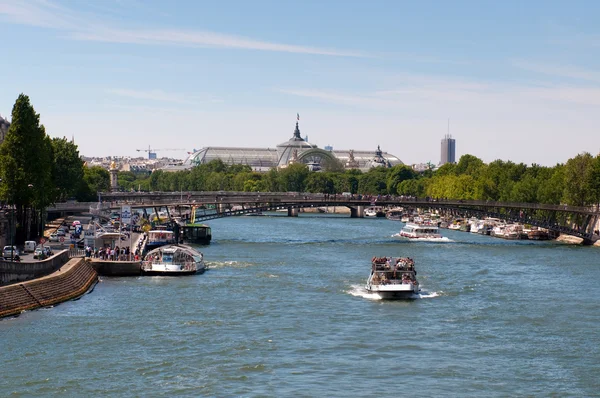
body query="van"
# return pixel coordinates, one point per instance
(29, 246)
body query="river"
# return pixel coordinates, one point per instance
(282, 312)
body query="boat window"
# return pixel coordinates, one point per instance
(167, 258)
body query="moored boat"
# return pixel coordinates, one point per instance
(199, 234)
(374, 212)
(538, 234)
(173, 260)
(159, 237)
(394, 214)
(393, 278)
(420, 232)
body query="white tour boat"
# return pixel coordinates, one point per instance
(159, 237)
(393, 278)
(173, 260)
(420, 231)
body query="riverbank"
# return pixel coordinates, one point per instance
(70, 281)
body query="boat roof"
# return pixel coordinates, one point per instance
(174, 248)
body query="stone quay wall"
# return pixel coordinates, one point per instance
(117, 268)
(11, 272)
(70, 281)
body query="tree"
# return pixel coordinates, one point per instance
(293, 177)
(578, 172)
(594, 180)
(95, 179)
(373, 182)
(320, 183)
(469, 164)
(396, 175)
(67, 172)
(26, 165)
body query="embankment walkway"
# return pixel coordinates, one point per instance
(70, 281)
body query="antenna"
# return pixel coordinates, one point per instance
(448, 136)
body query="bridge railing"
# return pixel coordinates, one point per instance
(156, 198)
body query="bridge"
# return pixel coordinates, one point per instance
(571, 220)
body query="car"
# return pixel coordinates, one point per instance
(10, 251)
(61, 232)
(53, 238)
(48, 251)
(39, 254)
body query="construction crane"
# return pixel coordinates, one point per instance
(152, 151)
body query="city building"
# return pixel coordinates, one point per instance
(448, 150)
(4, 124)
(294, 150)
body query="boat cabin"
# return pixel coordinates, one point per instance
(196, 233)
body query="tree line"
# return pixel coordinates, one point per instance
(37, 171)
(577, 182)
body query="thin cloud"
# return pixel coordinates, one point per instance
(43, 13)
(160, 96)
(569, 71)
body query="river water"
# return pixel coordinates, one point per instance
(282, 312)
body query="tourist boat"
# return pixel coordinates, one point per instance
(393, 278)
(420, 231)
(199, 234)
(159, 237)
(173, 260)
(394, 214)
(374, 212)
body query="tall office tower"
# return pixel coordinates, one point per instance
(448, 150)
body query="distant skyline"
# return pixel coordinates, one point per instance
(519, 80)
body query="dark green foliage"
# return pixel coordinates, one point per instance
(67, 171)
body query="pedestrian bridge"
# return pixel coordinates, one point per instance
(571, 220)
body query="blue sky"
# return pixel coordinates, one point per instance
(519, 80)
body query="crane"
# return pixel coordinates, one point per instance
(152, 151)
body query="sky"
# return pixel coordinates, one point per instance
(517, 80)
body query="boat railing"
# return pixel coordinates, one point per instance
(148, 265)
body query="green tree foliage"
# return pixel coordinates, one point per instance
(396, 175)
(594, 180)
(470, 165)
(578, 173)
(95, 179)
(293, 177)
(67, 172)
(26, 167)
(373, 182)
(320, 183)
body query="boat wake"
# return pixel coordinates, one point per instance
(360, 291)
(227, 264)
(443, 239)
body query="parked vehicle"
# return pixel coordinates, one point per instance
(29, 246)
(10, 251)
(61, 232)
(53, 238)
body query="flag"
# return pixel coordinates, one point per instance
(297, 116)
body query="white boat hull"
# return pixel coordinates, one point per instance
(394, 291)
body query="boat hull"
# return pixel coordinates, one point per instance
(399, 292)
(171, 273)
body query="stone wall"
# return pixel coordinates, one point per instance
(117, 268)
(71, 281)
(11, 272)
